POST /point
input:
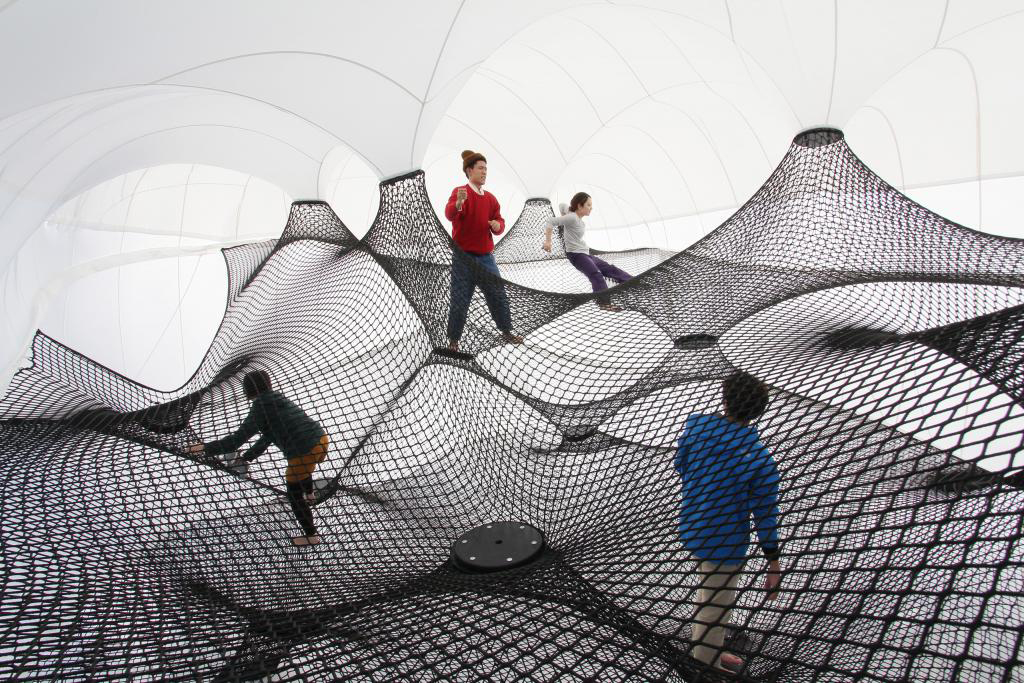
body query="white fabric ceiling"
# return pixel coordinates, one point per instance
(150, 284)
(670, 113)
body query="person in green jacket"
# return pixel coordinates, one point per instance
(301, 439)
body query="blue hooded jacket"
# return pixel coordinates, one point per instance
(728, 476)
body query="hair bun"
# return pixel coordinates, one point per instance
(469, 158)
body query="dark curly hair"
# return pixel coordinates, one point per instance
(745, 396)
(255, 383)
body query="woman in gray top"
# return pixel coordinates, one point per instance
(578, 252)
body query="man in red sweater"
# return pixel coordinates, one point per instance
(475, 214)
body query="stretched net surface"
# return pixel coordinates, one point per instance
(890, 340)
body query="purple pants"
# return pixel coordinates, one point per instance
(597, 270)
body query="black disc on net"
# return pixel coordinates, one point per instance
(497, 546)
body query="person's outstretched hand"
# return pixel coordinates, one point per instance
(772, 579)
(460, 198)
(547, 246)
(196, 448)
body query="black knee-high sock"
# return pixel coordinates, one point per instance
(307, 485)
(301, 508)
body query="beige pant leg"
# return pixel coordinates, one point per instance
(715, 598)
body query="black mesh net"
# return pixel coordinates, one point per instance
(890, 343)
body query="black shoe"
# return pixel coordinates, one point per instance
(510, 337)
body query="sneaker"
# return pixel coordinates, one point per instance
(729, 663)
(302, 541)
(511, 338)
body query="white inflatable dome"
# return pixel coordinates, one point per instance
(137, 139)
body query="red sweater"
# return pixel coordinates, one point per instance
(470, 227)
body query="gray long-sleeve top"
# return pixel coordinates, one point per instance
(572, 231)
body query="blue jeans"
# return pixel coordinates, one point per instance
(466, 275)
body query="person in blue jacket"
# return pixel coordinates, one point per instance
(727, 476)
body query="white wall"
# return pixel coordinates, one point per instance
(148, 282)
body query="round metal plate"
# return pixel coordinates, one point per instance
(497, 545)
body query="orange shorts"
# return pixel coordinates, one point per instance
(303, 466)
